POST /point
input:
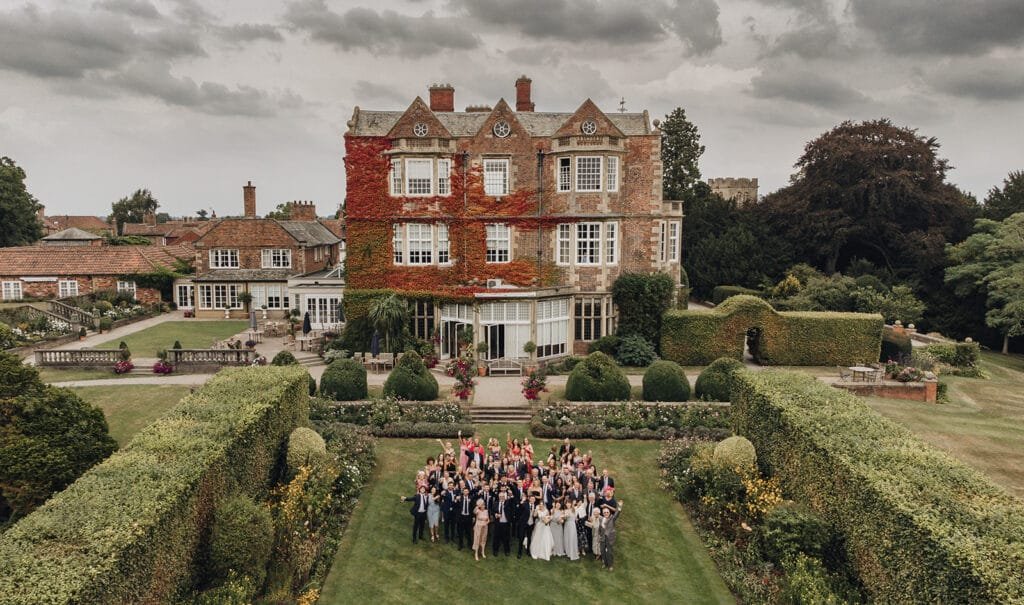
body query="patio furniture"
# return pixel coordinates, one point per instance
(844, 374)
(504, 367)
(862, 372)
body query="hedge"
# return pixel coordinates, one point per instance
(631, 420)
(344, 380)
(919, 526)
(130, 529)
(722, 293)
(665, 381)
(597, 378)
(796, 338)
(714, 383)
(896, 346)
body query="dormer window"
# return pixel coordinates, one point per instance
(420, 177)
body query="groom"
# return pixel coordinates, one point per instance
(524, 522)
(419, 512)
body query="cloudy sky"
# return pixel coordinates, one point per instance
(191, 98)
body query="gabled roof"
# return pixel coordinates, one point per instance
(89, 260)
(466, 124)
(157, 229)
(309, 232)
(418, 112)
(306, 232)
(71, 234)
(588, 111)
(502, 111)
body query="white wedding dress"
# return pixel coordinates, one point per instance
(541, 544)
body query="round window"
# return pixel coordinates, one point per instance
(419, 129)
(502, 129)
(588, 127)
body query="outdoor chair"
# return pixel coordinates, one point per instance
(387, 360)
(844, 374)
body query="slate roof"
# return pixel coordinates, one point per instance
(162, 229)
(310, 232)
(467, 124)
(88, 260)
(232, 275)
(71, 234)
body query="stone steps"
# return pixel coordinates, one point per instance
(500, 414)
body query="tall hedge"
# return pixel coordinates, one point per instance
(919, 526)
(130, 529)
(796, 338)
(641, 299)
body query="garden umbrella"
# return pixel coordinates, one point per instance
(307, 327)
(252, 320)
(375, 344)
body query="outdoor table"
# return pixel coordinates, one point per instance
(862, 371)
(303, 340)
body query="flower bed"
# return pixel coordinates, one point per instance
(390, 417)
(632, 420)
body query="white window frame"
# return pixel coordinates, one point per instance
(397, 240)
(279, 258)
(419, 239)
(612, 173)
(588, 244)
(498, 243)
(127, 287)
(594, 182)
(274, 296)
(674, 228)
(184, 295)
(204, 296)
(12, 290)
(224, 258)
(67, 287)
(225, 296)
(496, 186)
(611, 242)
(444, 246)
(444, 177)
(564, 174)
(420, 185)
(395, 177)
(552, 327)
(563, 244)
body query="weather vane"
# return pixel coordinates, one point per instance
(622, 105)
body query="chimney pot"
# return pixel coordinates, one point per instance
(523, 101)
(249, 199)
(442, 97)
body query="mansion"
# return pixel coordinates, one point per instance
(512, 222)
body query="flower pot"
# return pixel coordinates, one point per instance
(482, 370)
(264, 314)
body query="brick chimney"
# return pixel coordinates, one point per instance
(249, 199)
(523, 102)
(442, 97)
(302, 211)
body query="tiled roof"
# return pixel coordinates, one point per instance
(157, 229)
(86, 223)
(467, 124)
(310, 232)
(88, 260)
(335, 226)
(73, 234)
(222, 275)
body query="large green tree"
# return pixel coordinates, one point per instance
(133, 209)
(680, 154)
(18, 209)
(283, 212)
(992, 260)
(1002, 202)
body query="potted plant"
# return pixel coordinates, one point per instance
(162, 366)
(263, 308)
(481, 350)
(250, 344)
(81, 333)
(246, 299)
(461, 369)
(529, 348)
(534, 384)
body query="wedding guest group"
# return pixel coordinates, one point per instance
(553, 505)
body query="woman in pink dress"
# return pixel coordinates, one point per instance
(465, 447)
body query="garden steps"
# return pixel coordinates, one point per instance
(308, 359)
(500, 414)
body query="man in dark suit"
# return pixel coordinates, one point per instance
(605, 482)
(464, 512)
(419, 512)
(501, 521)
(566, 448)
(448, 512)
(545, 490)
(524, 522)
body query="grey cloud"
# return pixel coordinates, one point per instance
(811, 41)
(382, 33)
(371, 91)
(140, 9)
(695, 22)
(942, 26)
(193, 13)
(981, 79)
(249, 32)
(815, 9)
(806, 87)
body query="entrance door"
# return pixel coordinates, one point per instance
(323, 311)
(496, 341)
(185, 296)
(450, 338)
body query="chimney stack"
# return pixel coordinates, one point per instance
(442, 97)
(249, 199)
(302, 211)
(523, 102)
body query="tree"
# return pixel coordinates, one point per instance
(680, 153)
(992, 260)
(48, 438)
(390, 315)
(202, 214)
(642, 299)
(18, 209)
(133, 209)
(1001, 203)
(283, 212)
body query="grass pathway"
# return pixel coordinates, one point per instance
(659, 557)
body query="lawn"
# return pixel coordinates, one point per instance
(129, 408)
(191, 334)
(983, 424)
(659, 557)
(68, 374)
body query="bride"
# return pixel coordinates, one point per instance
(541, 544)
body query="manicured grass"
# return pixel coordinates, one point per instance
(129, 408)
(65, 375)
(659, 558)
(983, 424)
(192, 334)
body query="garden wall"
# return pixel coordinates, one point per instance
(919, 525)
(129, 530)
(794, 338)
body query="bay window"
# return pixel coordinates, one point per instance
(588, 173)
(564, 174)
(419, 176)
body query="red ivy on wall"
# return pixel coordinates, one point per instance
(371, 212)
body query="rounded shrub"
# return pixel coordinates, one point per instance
(7, 339)
(608, 345)
(635, 350)
(597, 378)
(240, 540)
(735, 452)
(715, 382)
(789, 530)
(312, 385)
(305, 448)
(411, 380)
(666, 381)
(284, 358)
(344, 380)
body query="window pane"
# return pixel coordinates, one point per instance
(611, 233)
(444, 170)
(421, 244)
(396, 243)
(419, 177)
(564, 174)
(613, 174)
(443, 245)
(396, 177)
(588, 243)
(496, 177)
(588, 174)
(497, 243)
(564, 235)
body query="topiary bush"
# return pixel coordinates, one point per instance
(240, 540)
(305, 447)
(714, 383)
(735, 452)
(344, 380)
(597, 378)
(411, 380)
(284, 358)
(666, 381)
(635, 350)
(609, 345)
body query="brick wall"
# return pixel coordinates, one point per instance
(250, 238)
(87, 284)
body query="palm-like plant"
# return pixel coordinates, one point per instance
(390, 315)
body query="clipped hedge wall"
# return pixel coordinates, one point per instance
(130, 529)
(795, 338)
(722, 293)
(919, 526)
(896, 346)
